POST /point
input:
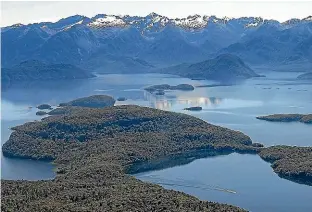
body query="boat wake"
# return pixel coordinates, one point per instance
(186, 184)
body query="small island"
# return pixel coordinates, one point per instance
(307, 119)
(44, 107)
(121, 99)
(290, 162)
(41, 113)
(182, 87)
(193, 108)
(95, 101)
(160, 92)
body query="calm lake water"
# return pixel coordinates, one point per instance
(235, 107)
(242, 180)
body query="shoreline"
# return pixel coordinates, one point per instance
(114, 138)
(103, 146)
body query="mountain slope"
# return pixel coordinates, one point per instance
(271, 44)
(223, 67)
(108, 63)
(35, 70)
(157, 39)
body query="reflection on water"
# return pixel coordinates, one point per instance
(243, 180)
(163, 103)
(182, 100)
(13, 114)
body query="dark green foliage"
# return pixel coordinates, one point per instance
(193, 108)
(95, 101)
(65, 110)
(41, 113)
(183, 87)
(44, 106)
(307, 119)
(293, 163)
(121, 99)
(94, 148)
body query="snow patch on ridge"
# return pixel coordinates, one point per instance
(195, 22)
(108, 21)
(70, 26)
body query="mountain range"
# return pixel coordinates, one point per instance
(111, 43)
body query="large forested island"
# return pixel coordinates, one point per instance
(304, 118)
(94, 149)
(94, 101)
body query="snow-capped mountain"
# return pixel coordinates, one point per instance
(154, 38)
(151, 23)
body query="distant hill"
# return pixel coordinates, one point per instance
(31, 70)
(306, 76)
(223, 67)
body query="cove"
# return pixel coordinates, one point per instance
(238, 179)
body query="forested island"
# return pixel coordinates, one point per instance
(193, 108)
(162, 87)
(307, 119)
(292, 163)
(94, 149)
(44, 107)
(95, 101)
(41, 113)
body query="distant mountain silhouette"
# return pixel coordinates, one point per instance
(157, 40)
(223, 67)
(32, 70)
(275, 45)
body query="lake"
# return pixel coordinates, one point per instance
(242, 180)
(234, 106)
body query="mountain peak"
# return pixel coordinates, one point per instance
(192, 22)
(309, 18)
(102, 21)
(152, 14)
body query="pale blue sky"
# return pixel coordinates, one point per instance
(30, 12)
